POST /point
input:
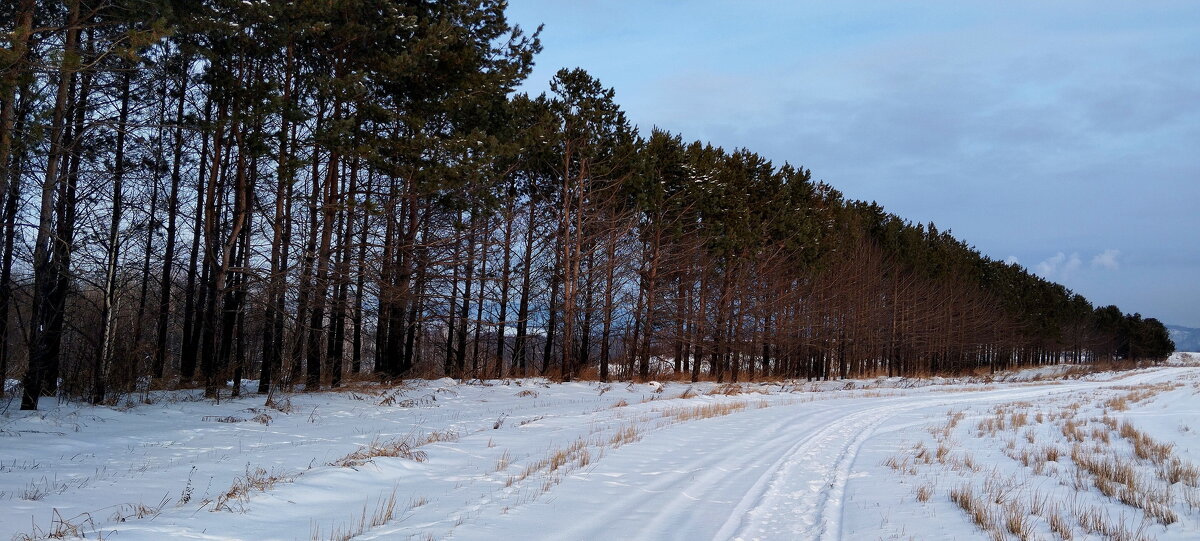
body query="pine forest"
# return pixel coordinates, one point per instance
(303, 193)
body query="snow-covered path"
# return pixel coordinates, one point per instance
(531, 461)
(774, 473)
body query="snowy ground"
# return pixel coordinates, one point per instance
(1104, 456)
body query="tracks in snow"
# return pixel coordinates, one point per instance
(774, 473)
(802, 497)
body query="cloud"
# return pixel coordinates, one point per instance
(1012, 260)
(1019, 128)
(1059, 266)
(1107, 260)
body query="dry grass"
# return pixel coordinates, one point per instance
(127, 511)
(902, 465)
(504, 461)
(1058, 524)
(942, 452)
(965, 463)
(1117, 478)
(1137, 394)
(528, 393)
(384, 512)
(990, 426)
(399, 448)
(952, 420)
(390, 398)
(555, 464)
(1107, 470)
(1071, 429)
(76, 527)
(1016, 522)
(256, 480)
(524, 422)
(1032, 457)
(975, 507)
(925, 492)
(629, 434)
(1114, 458)
(439, 436)
(703, 411)
(733, 389)
(1119, 403)
(1095, 521)
(1145, 447)
(922, 454)
(282, 404)
(1177, 471)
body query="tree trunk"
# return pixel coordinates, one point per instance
(337, 317)
(42, 360)
(316, 320)
(460, 352)
(505, 272)
(164, 292)
(192, 299)
(519, 346)
(11, 200)
(104, 358)
(610, 269)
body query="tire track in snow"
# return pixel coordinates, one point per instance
(802, 498)
(801, 495)
(679, 482)
(774, 473)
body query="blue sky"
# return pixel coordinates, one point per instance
(1065, 135)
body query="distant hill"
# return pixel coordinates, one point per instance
(1185, 338)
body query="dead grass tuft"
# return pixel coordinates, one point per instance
(1177, 471)
(726, 389)
(925, 492)
(903, 465)
(256, 480)
(384, 512)
(629, 434)
(975, 508)
(1145, 447)
(127, 511)
(398, 448)
(504, 461)
(703, 411)
(281, 404)
(1016, 521)
(76, 527)
(439, 436)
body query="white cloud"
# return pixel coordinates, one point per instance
(1107, 260)
(1012, 260)
(1059, 266)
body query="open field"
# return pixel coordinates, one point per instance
(1102, 456)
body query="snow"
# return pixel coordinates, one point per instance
(584, 460)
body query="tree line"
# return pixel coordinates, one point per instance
(299, 192)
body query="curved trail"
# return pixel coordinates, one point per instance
(773, 473)
(804, 501)
(788, 465)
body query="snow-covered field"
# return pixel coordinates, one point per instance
(1103, 456)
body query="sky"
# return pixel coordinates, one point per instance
(1064, 136)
